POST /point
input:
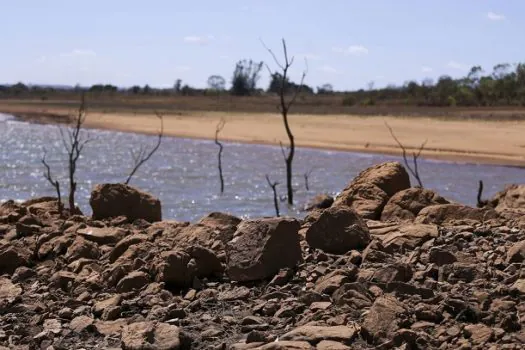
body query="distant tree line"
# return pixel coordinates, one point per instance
(504, 85)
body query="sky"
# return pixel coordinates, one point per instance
(345, 43)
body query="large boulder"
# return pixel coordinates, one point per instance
(510, 202)
(406, 204)
(338, 230)
(260, 248)
(112, 200)
(369, 192)
(454, 214)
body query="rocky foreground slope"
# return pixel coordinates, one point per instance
(386, 266)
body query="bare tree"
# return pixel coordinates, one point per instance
(142, 156)
(284, 108)
(306, 178)
(74, 143)
(54, 183)
(415, 156)
(218, 129)
(273, 185)
(481, 202)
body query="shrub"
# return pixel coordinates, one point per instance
(349, 100)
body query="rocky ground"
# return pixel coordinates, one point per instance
(386, 266)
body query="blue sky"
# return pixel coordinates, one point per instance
(346, 43)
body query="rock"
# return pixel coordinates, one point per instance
(8, 291)
(256, 250)
(405, 205)
(174, 268)
(479, 334)
(516, 253)
(81, 248)
(316, 334)
(12, 257)
(207, 262)
(331, 345)
(338, 230)
(369, 192)
(406, 236)
(52, 325)
(382, 320)
(321, 201)
(102, 235)
(452, 213)
(332, 281)
(512, 197)
(441, 257)
(225, 224)
(150, 335)
(519, 286)
(112, 200)
(81, 323)
(135, 280)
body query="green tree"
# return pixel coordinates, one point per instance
(245, 77)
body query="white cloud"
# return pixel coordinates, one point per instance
(457, 65)
(356, 50)
(495, 16)
(327, 69)
(426, 69)
(78, 53)
(195, 39)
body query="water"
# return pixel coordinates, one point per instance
(183, 173)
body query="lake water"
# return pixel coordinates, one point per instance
(183, 173)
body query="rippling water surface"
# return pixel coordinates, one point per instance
(183, 173)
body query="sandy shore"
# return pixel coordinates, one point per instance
(490, 142)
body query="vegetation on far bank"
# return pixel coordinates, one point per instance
(503, 86)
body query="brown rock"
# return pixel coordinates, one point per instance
(8, 291)
(207, 262)
(81, 248)
(454, 213)
(256, 250)
(441, 257)
(407, 236)
(174, 268)
(512, 197)
(516, 253)
(150, 335)
(133, 281)
(519, 286)
(331, 345)
(335, 279)
(478, 334)
(405, 205)
(316, 334)
(225, 224)
(338, 230)
(12, 257)
(381, 322)
(112, 200)
(81, 323)
(103, 235)
(368, 193)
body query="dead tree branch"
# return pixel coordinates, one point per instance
(481, 202)
(141, 156)
(54, 183)
(273, 185)
(284, 108)
(415, 156)
(218, 129)
(306, 178)
(74, 143)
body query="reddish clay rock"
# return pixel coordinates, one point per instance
(338, 230)
(112, 200)
(368, 193)
(406, 204)
(260, 248)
